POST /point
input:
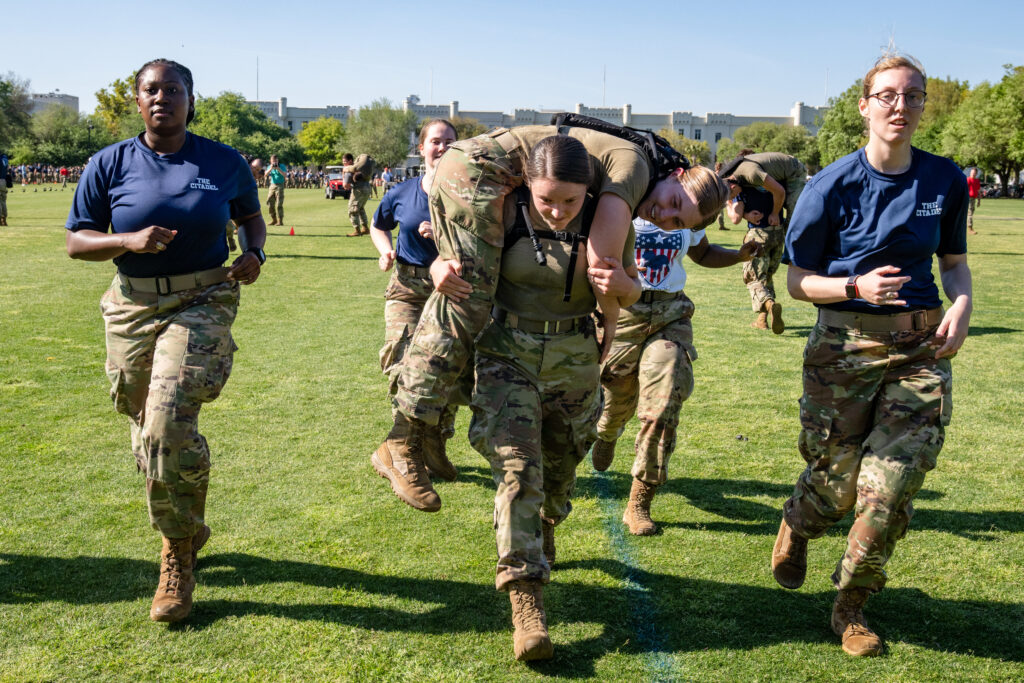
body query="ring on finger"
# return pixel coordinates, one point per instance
(161, 246)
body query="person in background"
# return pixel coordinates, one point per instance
(275, 195)
(974, 198)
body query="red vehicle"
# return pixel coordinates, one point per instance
(332, 184)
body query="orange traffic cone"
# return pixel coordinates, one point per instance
(292, 231)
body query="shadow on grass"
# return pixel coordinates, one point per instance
(330, 258)
(979, 331)
(728, 498)
(685, 614)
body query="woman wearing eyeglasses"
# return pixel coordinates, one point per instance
(877, 376)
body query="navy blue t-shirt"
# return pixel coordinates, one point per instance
(852, 218)
(757, 200)
(405, 205)
(128, 187)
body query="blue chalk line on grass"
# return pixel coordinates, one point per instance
(642, 609)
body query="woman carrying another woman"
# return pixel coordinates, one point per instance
(877, 377)
(783, 177)
(467, 207)
(167, 194)
(406, 206)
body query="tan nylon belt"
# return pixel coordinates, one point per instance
(867, 322)
(536, 326)
(174, 283)
(407, 270)
(655, 295)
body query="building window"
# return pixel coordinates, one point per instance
(718, 136)
(682, 131)
(696, 133)
(289, 125)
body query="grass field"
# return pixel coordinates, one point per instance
(316, 571)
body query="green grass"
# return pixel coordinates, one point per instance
(316, 571)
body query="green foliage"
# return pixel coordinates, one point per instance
(118, 110)
(987, 129)
(62, 136)
(764, 136)
(842, 130)
(316, 572)
(321, 138)
(697, 151)
(467, 127)
(229, 119)
(15, 106)
(944, 96)
(382, 131)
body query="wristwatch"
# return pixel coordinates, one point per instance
(262, 257)
(851, 287)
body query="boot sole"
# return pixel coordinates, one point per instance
(642, 532)
(385, 473)
(542, 650)
(170, 617)
(775, 313)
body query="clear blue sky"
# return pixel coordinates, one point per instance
(659, 55)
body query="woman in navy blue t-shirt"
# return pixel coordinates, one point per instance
(877, 375)
(165, 197)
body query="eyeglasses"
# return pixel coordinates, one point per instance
(888, 98)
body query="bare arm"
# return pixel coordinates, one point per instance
(382, 240)
(92, 245)
(956, 283)
(874, 287)
(778, 198)
(715, 256)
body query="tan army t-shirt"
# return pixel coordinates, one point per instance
(756, 167)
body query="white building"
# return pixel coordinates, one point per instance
(41, 101)
(711, 127)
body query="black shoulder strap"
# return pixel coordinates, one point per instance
(663, 157)
(730, 166)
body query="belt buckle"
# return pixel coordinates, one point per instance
(159, 289)
(919, 320)
(550, 327)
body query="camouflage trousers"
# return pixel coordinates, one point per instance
(403, 306)
(535, 407)
(649, 371)
(357, 208)
(275, 203)
(166, 356)
(873, 417)
(466, 211)
(758, 273)
(972, 203)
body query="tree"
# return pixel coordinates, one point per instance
(697, 151)
(117, 109)
(15, 106)
(229, 119)
(321, 139)
(467, 127)
(381, 131)
(842, 130)
(764, 136)
(987, 129)
(944, 96)
(62, 136)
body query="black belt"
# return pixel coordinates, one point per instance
(869, 322)
(413, 271)
(174, 283)
(651, 295)
(537, 326)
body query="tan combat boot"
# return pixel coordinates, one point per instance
(603, 454)
(761, 323)
(400, 460)
(435, 455)
(530, 640)
(849, 624)
(774, 311)
(548, 530)
(638, 510)
(789, 558)
(173, 599)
